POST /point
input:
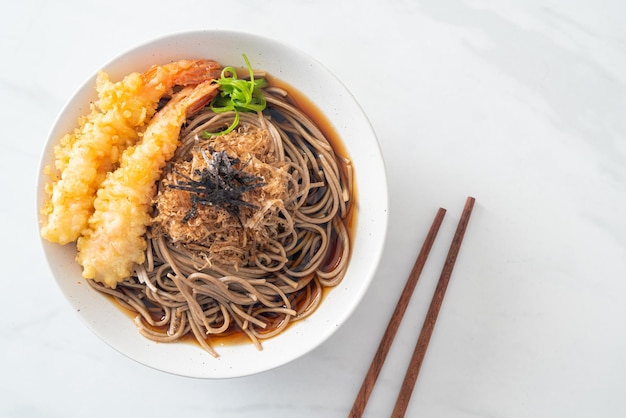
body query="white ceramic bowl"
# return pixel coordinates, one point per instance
(339, 106)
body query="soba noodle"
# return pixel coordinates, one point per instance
(292, 244)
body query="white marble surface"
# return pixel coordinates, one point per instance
(520, 104)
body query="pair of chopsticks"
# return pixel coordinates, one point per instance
(429, 322)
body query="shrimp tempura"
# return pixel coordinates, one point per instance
(114, 240)
(115, 122)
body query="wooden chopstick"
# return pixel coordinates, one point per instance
(385, 343)
(431, 317)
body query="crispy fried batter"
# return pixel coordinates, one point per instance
(115, 121)
(114, 240)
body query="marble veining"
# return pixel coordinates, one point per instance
(518, 103)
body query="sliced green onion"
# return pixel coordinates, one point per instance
(237, 95)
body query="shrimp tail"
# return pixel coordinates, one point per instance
(181, 73)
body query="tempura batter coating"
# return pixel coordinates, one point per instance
(114, 239)
(116, 121)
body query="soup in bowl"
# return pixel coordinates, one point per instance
(213, 204)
